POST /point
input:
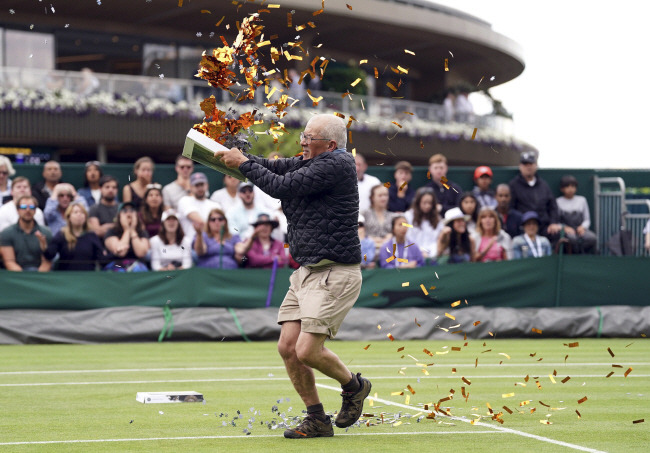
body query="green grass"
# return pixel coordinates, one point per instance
(249, 377)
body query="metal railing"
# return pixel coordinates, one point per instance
(612, 216)
(84, 83)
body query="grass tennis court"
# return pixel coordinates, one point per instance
(82, 397)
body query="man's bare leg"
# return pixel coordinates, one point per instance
(301, 375)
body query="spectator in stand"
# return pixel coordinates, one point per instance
(127, 241)
(491, 242)
(42, 190)
(530, 244)
(469, 205)
(575, 218)
(180, 187)
(395, 249)
(134, 192)
(455, 245)
(193, 209)
(260, 248)
(367, 246)
(244, 215)
(482, 190)
(170, 249)
(101, 216)
(448, 107)
(464, 111)
(531, 193)
(426, 222)
(447, 197)
(20, 187)
(152, 209)
(646, 232)
(78, 248)
(400, 194)
(91, 190)
(62, 196)
(228, 196)
(510, 218)
(378, 218)
(216, 247)
(23, 243)
(6, 171)
(364, 182)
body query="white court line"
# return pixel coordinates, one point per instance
(498, 428)
(252, 436)
(281, 367)
(173, 381)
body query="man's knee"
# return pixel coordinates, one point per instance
(288, 338)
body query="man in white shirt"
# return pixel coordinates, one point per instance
(9, 212)
(241, 218)
(228, 196)
(193, 209)
(365, 182)
(180, 187)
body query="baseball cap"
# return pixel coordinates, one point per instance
(198, 178)
(529, 215)
(528, 157)
(482, 170)
(244, 185)
(167, 214)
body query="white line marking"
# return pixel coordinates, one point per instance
(252, 436)
(498, 428)
(235, 368)
(172, 381)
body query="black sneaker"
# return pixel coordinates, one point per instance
(311, 427)
(352, 406)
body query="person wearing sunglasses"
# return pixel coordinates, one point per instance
(62, 196)
(180, 187)
(20, 187)
(320, 199)
(216, 247)
(22, 244)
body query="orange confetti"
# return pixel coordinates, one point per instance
(391, 86)
(180, 3)
(638, 421)
(446, 64)
(404, 184)
(450, 316)
(565, 380)
(427, 352)
(416, 322)
(410, 389)
(582, 400)
(455, 304)
(476, 323)
(375, 294)
(610, 374)
(466, 381)
(390, 336)
(289, 20)
(572, 345)
(387, 185)
(205, 11)
(629, 370)
(579, 416)
(316, 13)
(349, 7)
(536, 331)
(507, 409)
(610, 352)
(366, 348)
(424, 290)
(220, 20)
(474, 133)
(286, 246)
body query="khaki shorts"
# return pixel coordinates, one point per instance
(321, 297)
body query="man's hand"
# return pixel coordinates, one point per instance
(42, 240)
(581, 230)
(233, 158)
(554, 228)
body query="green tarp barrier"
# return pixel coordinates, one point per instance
(555, 281)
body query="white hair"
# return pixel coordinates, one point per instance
(5, 161)
(331, 127)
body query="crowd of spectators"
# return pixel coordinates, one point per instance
(53, 225)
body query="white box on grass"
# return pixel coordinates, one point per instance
(169, 397)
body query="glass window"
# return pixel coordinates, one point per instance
(27, 49)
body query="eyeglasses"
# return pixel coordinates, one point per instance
(68, 195)
(27, 206)
(153, 186)
(309, 138)
(214, 219)
(246, 190)
(96, 163)
(4, 173)
(360, 224)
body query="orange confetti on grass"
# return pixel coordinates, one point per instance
(536, 331)
(572, 345)
(582, 400)
(610, 374)
(577, 412)
(410, 389)
(641, 420)
(366, 348)
(390, 336)
(610, 352)
(629, 370)
(427, 352)
(565, 380)
(507, 409)
(465, 380)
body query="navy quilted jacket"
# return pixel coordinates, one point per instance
(320, 199)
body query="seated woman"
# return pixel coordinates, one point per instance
(378, 217)
(127, 241)
(170, 249)
(368, 251)
(91, 190)
(426, 222)
(79, 249)
(455, 245)
(216, 245)
(491, 242)
(395, 252)
(469, 205)
(151, 209)
(261, 249)
(530, 244)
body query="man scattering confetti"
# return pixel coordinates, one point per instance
(319, 196)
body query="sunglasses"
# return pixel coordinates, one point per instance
(5, 173)
(214, 219)
(68, 195)
(246, 190)
(153, 186)
(96, 163)
(27, 206)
